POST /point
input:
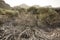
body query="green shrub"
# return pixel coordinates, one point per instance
(11, 13)
(32, 10)
(47, 15)
(21, 10)
(2, 12)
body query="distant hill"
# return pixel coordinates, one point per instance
(22, 6)
(4, 5)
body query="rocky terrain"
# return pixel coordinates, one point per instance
(4, 5)
(29, 24)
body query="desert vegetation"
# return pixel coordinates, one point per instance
(32, 23)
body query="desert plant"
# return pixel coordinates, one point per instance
(21, 10)
(32, 10)
(1, 11)
(11, 13)
(47, 16)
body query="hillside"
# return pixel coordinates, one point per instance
(4, 5)
(21, 6)
(33, 23)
